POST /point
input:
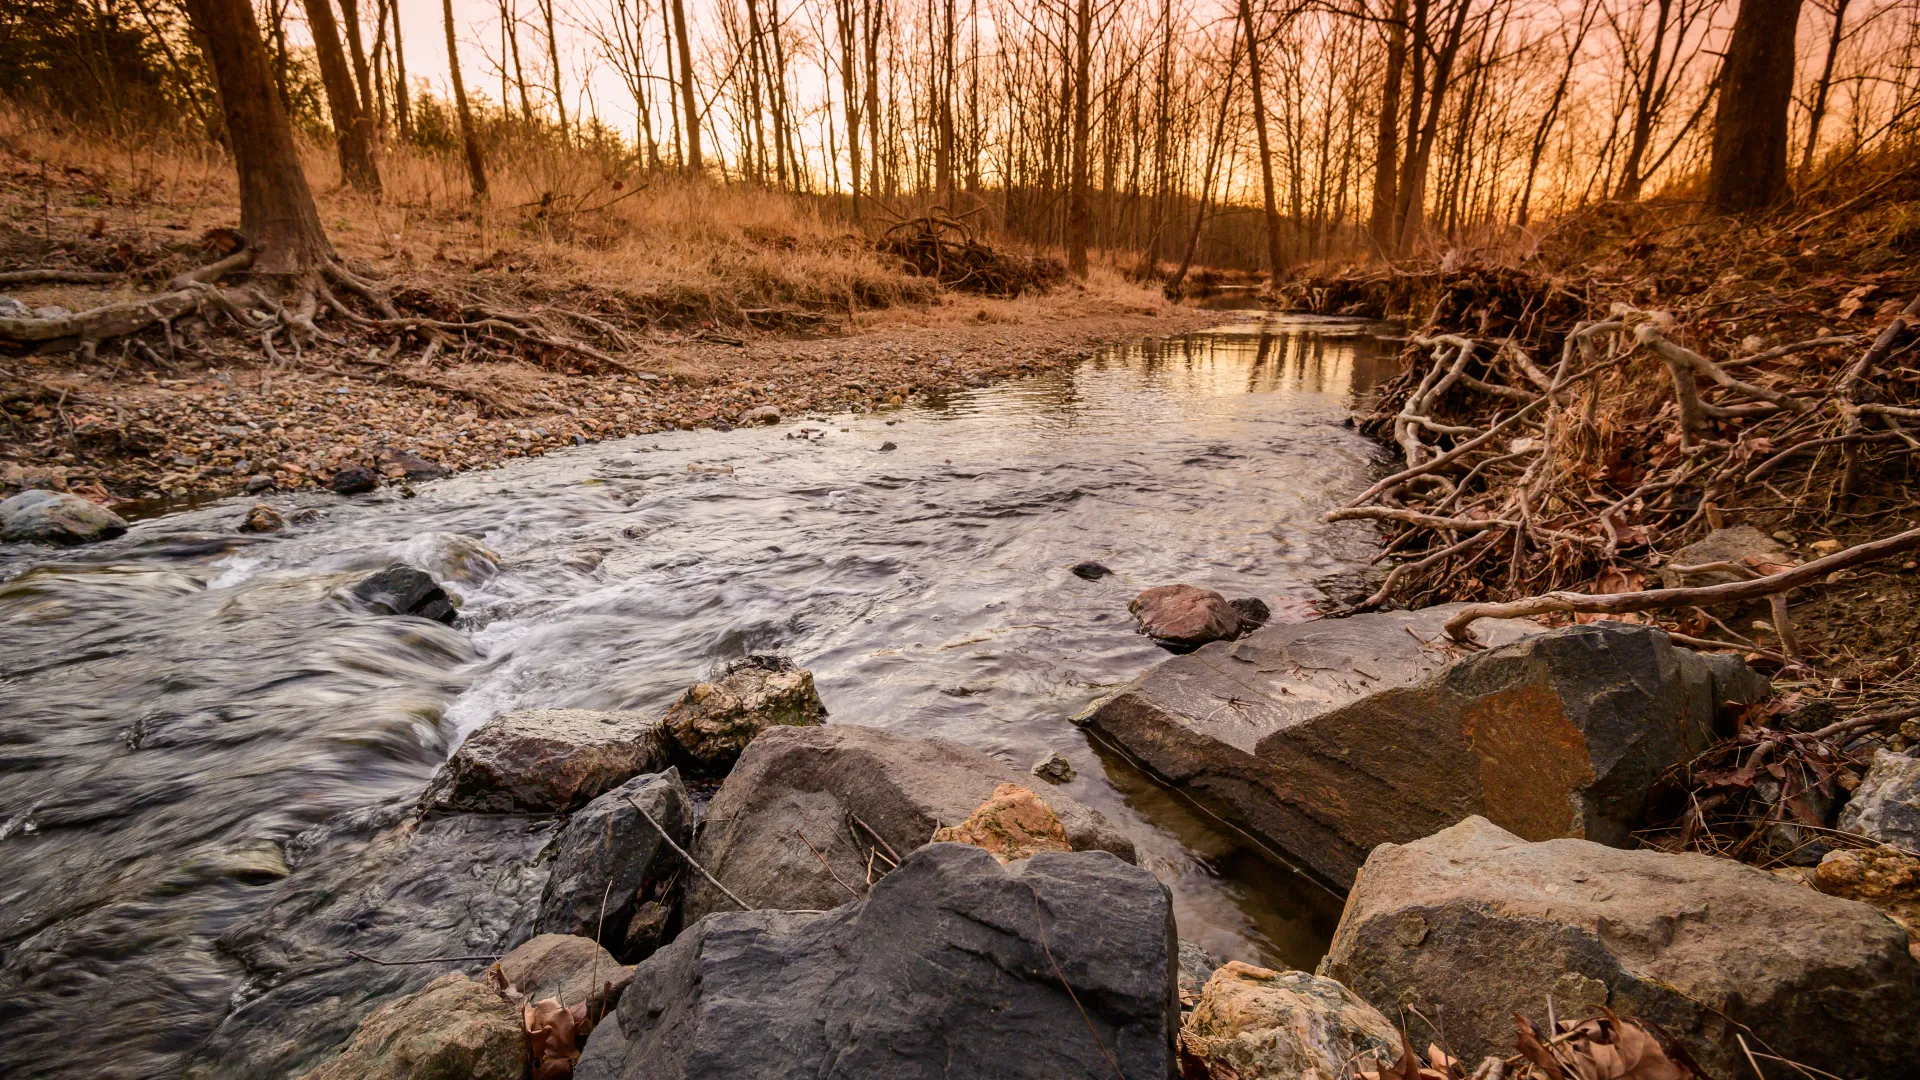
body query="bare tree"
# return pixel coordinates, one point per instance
(469, 136)
(1749, 165)
(352, 129)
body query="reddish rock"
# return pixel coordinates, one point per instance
(1183, 615)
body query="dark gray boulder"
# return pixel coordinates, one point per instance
(1479, 922)
(954, 967)
(798, 790)
(1330, 737)
(608, 864)
(56, 517)
(405, 590)
(387, 883)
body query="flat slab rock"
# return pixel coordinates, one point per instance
(813, 782)
(941, 972)
(1485, 924)
(545, 761)
(1330, 737)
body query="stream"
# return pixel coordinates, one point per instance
(176, 703)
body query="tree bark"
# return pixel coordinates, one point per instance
(352, 133)
(1749, 166)
(476, 162)
(1275, 262)
(1079, 213)
(1818, 112)
(688, 98)
(401, 100)
(553, 57)
(1386, 149)
(356, 51)
(277, 212)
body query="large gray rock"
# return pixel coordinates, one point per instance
(797, 786)
(1330, 737)
(55, 517)
(944, 971)
(545, 761)
(389, 884)
(1478, 921)
(1886, 805)
(455, 1028)
(608, 864)
(1255, 1024)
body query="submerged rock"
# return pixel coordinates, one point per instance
(407, 465)
(353, 480)
(56, 517)
(405, 590)
(1479, 922)
(1885, 807)
(1330, 737)
(952, 968)
(545, 761)
(262, 519)
(568, 969)
(1090, 571)
(832, 784)
(385, 883)
(1012, 824)
(1256, 1024)
(455, 1028)
(451, 557)
(713, 721)
(1054, 769)
(608, 863)
(1184, 616)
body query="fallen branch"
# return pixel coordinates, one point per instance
(682, 852)
(1651, 599)
(57, 277)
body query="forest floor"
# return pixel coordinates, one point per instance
(719, 306)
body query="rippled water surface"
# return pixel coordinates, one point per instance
(176, 703)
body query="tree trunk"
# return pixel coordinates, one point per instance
(1646, 105)
(875, 11)
(1079, 214)
(687, 97)
(476, 163)
(356, 51)
(849, 77)
(1386, 149)
(1818, 112)
(352, 134)
(402, 102)
(277, 213)
(1275, 263)
(1749, 167)
(553, 57)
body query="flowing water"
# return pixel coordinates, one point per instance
(176, 703)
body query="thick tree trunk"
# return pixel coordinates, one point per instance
(688, 98)
(1386, 149)
(352, 133)
(1749, 168)
(1079, 213)
(476, 162)
(277, 212)
(1275, 262)
(356, 51)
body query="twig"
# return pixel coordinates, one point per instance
(682, 852)
(1040, 923)
(824, 863)
(424, 960)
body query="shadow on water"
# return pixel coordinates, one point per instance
(177, 703)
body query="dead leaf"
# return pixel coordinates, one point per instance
(555, 1033)
(1528, 1044)
(1609, 1048)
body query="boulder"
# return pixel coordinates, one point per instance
(831, 785)
(407, 465)
(761, 414)
(953, 967)
(1742, 545)
(1329, 737)
(1886, 877)
(1183, 616)
(262, 519)
(451, 556)
(1885, 807)
(405, 590)
(354, 480)
(1012, 824)
(455, 1028)
(713, 721)
(568, 969)
(383, 882)
(545, 761)
(1054, 769)
(1482, 923)
(1256, 1024)
(56, 517)
(609, 863)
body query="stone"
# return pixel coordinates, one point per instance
(1253, 613)
(354, 480)
(608, 862)
(1484, 924)
(1183, 616)
(1885, 876)
(1256, 1024)
(714, 721)
(953, 967)
(451, 556)
(406, 590)
(1012, 824)
(1885, 808)
(56, 517)
(1739, 544)
(258, 484)
(262, 519)
(886, 446)
(761, 414)
(386, 882)
(545, 761)
(1326, 738)
(409, 466)
(1090, 571)
(454, 1029)
(1054, 769)
(832, 784)
(568, 969)
(1197, 965)
(11, 308)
